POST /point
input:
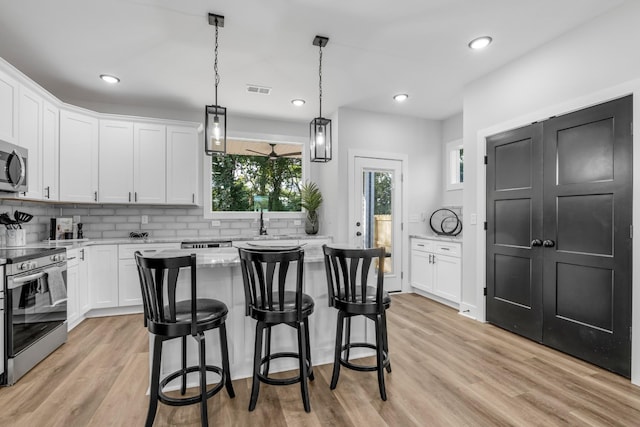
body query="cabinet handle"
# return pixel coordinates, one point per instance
(129, 196)
(421, 245)
(82, 254)
(434, 259)
(135, 196)
(429, 258)
(193, 197)
(444, 249)
(47, 189)
(95, 196)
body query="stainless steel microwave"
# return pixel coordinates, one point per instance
(13, 168)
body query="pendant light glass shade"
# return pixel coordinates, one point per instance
(215, 139)
(215, 130)
(320, 128)
(320, 139)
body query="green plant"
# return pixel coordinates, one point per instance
(310, 197)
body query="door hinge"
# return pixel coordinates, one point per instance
(631, 231)
(486, 160)
(486, 226)
(401, 275)
(485, 292)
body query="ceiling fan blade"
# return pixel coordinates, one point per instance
(295, 153)
(257, 152)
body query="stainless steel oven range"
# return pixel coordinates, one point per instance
(34, 304)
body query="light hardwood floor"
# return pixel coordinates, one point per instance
(447, 371)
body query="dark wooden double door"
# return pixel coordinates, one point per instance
(559, 196)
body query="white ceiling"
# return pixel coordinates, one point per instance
(163, 50)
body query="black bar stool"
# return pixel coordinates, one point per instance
(267, 301)
(347, 273)
(178, 319)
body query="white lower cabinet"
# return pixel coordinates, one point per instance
(77, 286)
(103, 274)
(128, 281)
(436, 268)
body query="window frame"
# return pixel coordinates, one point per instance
(268, 138)
(450, 148)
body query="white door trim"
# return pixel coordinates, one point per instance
(404, 234)
(599, 97)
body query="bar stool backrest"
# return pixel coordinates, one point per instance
(158, 279)
(348, 273)
(264, 274)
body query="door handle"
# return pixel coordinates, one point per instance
(536, 242)
(358, 234)
(358, 224)
(548, 243)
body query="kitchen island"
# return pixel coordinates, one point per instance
(219, 276)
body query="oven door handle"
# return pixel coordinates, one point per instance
(17, 282)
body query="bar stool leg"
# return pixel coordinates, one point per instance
(386, 341)
(380, 356)
(257, 358)
(183, 386)
(155, 381)
(302, 352)
(348, 340)
(203, 381)
(267, 351)
(306, 332)
(338, 351)
(224, 349)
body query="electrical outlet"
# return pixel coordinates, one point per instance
(297, 222)
(474, 219)
(215, 223)
(144, 219)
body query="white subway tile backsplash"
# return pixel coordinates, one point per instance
(117, 221)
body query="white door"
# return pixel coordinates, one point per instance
(78, 157)
(50, 147)
(376, 212)
(30, 137)
(149, 167)
(183, 158)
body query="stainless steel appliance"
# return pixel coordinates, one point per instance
(206, 244)
(35, 311)
(13, 168)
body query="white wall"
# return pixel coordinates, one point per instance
(419, 139)
(451, 131)
(589, 65)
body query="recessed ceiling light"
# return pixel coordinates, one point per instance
(298, 102)
(480, 42)
(109, 79)
(400, 97)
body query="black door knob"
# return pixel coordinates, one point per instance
(548, 243)
(536, 242)
(358, 234)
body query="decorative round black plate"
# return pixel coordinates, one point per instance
(445, 222)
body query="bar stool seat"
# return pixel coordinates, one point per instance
(168, 319)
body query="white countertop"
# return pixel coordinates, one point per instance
(456, 239)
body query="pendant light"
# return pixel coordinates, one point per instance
(320, 128)
(215, 115)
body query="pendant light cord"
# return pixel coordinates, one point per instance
(320, 75)
(215, 63)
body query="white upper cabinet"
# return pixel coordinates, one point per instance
(9, 89)
(78, 157)
(50, 150)
(183, 159)
(149, 163)
(116, 162)
(30, 137)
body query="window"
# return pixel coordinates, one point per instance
(257, 175)
(454, 161)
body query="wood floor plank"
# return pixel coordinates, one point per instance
(447, 371)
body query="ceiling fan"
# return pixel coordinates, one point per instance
(273, 155)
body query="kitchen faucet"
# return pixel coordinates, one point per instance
(263, 229)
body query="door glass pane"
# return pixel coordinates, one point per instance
(377, 210)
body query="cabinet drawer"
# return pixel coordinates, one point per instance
(422, 245)
(452, 249)
(127, 251)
